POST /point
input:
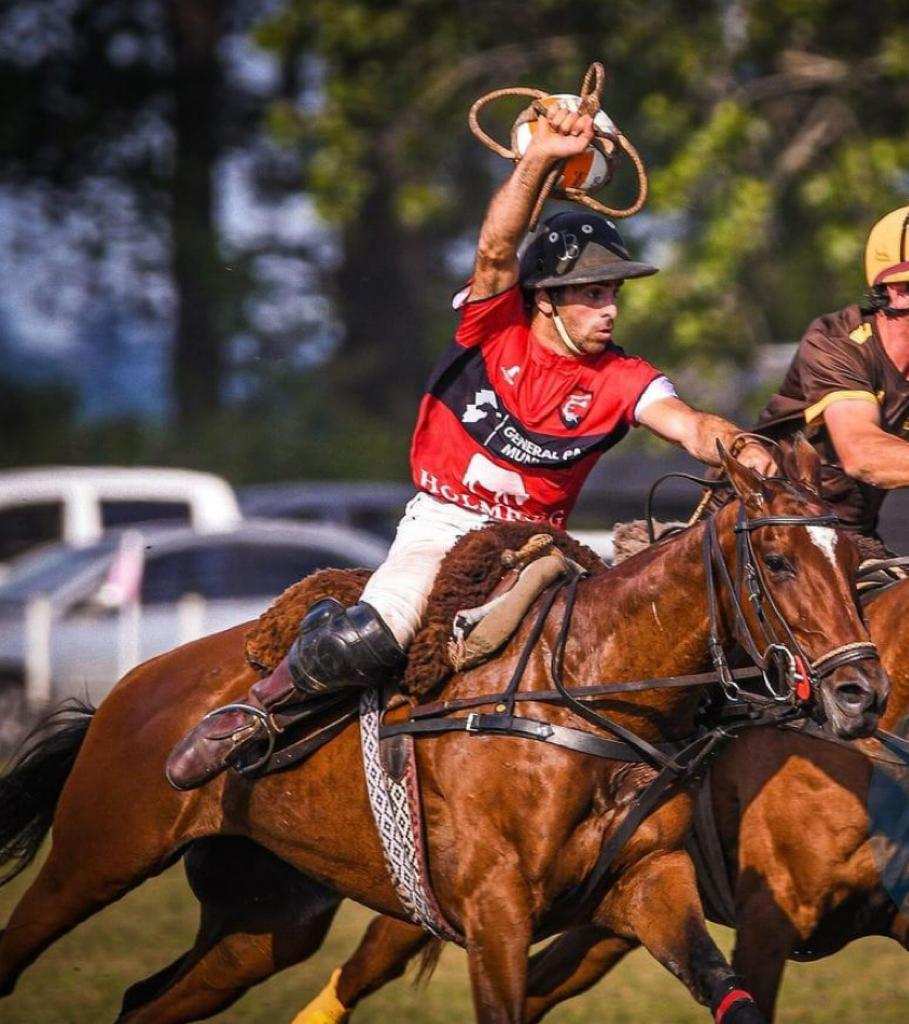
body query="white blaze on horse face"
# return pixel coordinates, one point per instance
(824, 537)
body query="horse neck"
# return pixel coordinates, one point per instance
(886, 615)
(655, 606)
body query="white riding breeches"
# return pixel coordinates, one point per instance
(399, 589)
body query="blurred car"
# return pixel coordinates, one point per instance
(77, 503)
(186, 584)
(375, 506)
(372, 505)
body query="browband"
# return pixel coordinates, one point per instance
(748, 525)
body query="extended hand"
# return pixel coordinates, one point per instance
(562, 133)
(755, 456)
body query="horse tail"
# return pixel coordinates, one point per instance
(30, 788)
(429, 961)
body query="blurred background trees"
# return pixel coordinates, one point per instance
(231, 229)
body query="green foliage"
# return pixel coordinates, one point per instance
(775, 133)
(774, 139)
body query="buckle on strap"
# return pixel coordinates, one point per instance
(472, 722)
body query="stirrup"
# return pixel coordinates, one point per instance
(248, 769)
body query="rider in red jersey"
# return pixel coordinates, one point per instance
(531, 393)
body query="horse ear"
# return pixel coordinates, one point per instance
(801, 462)
(748, 484)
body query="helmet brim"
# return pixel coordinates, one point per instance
(620, 270)
(896, 277)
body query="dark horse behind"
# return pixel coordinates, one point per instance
(513, 826)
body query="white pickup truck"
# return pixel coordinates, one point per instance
(75, 504)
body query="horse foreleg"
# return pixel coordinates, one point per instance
(764, 938)
(497, 926)
(656, 901)
(570, 965)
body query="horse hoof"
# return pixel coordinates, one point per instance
(737, 1007)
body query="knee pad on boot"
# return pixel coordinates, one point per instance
(341, 647)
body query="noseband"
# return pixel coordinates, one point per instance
(781, 653)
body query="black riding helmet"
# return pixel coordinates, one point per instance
(578, 248)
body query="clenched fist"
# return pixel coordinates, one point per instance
(560, 134)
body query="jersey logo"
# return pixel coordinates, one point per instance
(504, 486)
(575, 407)
(861, 334)
(510, 373)
(475, 410)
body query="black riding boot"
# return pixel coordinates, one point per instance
(336, 648)
(347, 647)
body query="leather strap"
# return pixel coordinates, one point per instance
(645, 749)
(526, 728)
(444, 707)
(875, 565)
(691, 758)
(747, 525)
(296, 752)
(710, 865)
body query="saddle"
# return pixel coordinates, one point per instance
(484, 587)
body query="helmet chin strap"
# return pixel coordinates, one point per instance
(567, 340)
(894, 314)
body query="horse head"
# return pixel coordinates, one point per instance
(795, 600)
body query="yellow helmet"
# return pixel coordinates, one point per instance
(887, 251)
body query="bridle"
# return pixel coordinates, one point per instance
(782, 653)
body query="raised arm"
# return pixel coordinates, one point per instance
(698, 432)
(562, 134)
(866, 451)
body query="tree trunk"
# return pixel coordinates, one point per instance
(382, 361)
(197, 358)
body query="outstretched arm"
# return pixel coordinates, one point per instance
(562, 134)
(866, 451)
(698, 432)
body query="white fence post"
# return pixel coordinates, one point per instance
(190, 618)
(38, 681)
(129, 623)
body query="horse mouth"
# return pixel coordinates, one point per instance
(853, 708)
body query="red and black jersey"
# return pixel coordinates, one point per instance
(511, 430)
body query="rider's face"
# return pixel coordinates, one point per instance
(589, 312)
(898, 295)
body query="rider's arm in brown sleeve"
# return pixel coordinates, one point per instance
(698, 432)
(866, 451)
(562, 134)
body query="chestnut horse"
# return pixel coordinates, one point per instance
(803, 899)
(511, 826)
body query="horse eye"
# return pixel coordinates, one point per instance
(778, 563)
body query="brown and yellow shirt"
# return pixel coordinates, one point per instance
(840, 356)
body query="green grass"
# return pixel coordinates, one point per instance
(80, 980)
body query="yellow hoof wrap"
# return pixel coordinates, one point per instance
(326, 1008)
